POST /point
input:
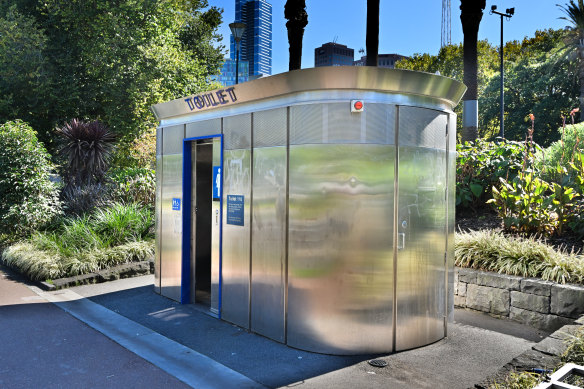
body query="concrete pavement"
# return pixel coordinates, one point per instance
(168, 332)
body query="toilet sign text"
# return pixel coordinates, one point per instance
(211, 99)
(235, 210)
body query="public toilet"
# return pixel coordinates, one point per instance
(314, 207)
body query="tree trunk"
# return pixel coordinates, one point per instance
(470, 16)
(581, 74)
(295, 12)
(372, 34)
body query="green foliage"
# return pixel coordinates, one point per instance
(23, 67)
(479, 166)
(540, 76)
(562, 151)
(527, 257)
(575, 351)
(28, 199)
(78, 245)
(134, 185)
(106, 60)
(522, 380)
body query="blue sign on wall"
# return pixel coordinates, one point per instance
(216, 182)
(235, 210)
(175, 204)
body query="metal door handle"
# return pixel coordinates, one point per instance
(401, 240)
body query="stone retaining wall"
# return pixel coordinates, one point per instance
(541, 304)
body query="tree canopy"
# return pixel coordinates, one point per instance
(108, 60)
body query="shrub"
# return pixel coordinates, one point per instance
(526, 257)
(86, 147)
(80, 200)
(479, 166)
(133, 185)
(28, 199)
(123, 223)
(561, 152)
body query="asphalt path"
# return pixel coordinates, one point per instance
(42, 346)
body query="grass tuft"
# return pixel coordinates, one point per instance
(527, 257)
(86, 244)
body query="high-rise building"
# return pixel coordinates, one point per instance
(383, 60)
(256, 43)
(227, 76)
(333, 54)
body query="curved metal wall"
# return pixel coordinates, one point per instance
(346, 241)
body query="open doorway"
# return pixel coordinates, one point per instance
(201, 218)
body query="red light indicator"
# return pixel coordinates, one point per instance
(357, 105)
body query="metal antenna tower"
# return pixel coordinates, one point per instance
(445, 40)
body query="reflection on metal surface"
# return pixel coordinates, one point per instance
(340, 248)
(158, 217)
(269, 242)
(422, 206)
(332, 78)
(236, 240)
(171, 236)
(203, 128)
(237, 132)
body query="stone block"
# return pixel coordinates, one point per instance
(538, 320)
(566, 332)
(567, 300)
(531, 302)
(459, 301)
(483, 298)
(551, 346)
(462, 289)
(500, 281)
(467, 275)
(532, 359)
(536, 286)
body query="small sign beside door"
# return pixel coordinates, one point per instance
(235, 209)
(216, 182)
(175, 204)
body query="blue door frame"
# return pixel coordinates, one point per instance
(185, 291)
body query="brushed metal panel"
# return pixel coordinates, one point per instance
(344, 126)
(237, 132)
(172, 137)
(340, 260)
(171, 232)
(421, 127)
(326, 78)
(159, 141)
(421, 246)
(379, 123)
(235, 293)
(451, 203)
(307, 123)
(202, 128)
(269, 241)
(269, 128)
(158, 218)
(452, 133)
(215, 234)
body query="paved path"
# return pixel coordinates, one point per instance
(41, 346)
(44, 346)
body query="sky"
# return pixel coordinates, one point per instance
(405, 27)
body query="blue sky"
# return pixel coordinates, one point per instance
(406, 27)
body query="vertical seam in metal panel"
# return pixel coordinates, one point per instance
(220, 292)
(160, 212)
(287, 228)
(447, 218)
(250, 220)
(395, 227)
(325, 123)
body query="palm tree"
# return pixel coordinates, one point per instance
(295, 12)
(471, 13)
(575, 15)
(372, 34)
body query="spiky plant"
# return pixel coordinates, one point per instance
(87, 147)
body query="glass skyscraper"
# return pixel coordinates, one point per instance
(256, 43)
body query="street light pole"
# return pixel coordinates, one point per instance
(237, 29)
(508, 13)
